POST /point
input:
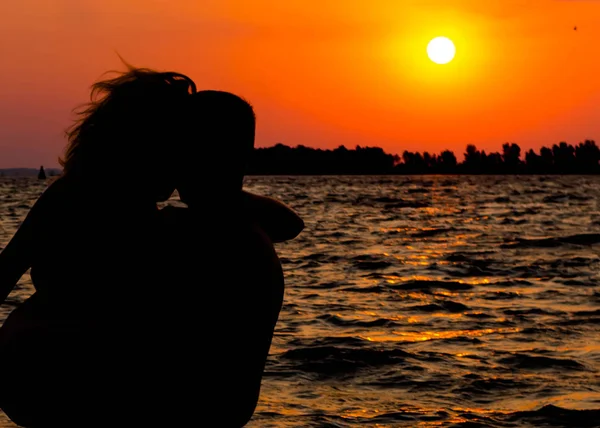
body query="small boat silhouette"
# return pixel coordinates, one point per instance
(42, 173)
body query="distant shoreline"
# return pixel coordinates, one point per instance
(392, 174)
(6, 173)
(28, 172)
(409, 174)
(560, 159)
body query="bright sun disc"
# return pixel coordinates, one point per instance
(441, 50)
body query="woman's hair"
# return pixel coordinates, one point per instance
(122, 130)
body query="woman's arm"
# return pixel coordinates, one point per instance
(16, 258)
(276, 219)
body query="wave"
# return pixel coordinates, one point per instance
(428, 233)
(502, 295)
(443, 306)
(555, 416)
(370, 262)
(587, 313)
(341, 322)
(579, 239)
(580, 322)
(489, 386)
(372, 265)
(376, 289)
(564, 197)
(428, 285)
(333, 360)
(337, 341)
(531, 311)
(407, 204)
(390, 203)
(524, 361)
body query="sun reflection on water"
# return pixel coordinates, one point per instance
(415, 336)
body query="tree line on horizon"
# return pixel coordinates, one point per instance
(561, 158)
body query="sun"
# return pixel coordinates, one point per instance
(441, 50)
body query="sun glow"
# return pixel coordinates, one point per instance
(441, 50)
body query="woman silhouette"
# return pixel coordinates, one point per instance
(81, 239)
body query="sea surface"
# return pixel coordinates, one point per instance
(431, 301)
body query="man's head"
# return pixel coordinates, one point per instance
(214, 155)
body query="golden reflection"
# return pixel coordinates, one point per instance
(486, 411)
(475, 281)
(462, 239)
(369, 313)
(589, 347)
(416, 263)
(446, 293)
(415, 278)
(372, 413)
(391, 279)
(417, 260)
(432, 211)
(474, 219)
(360, 413)
(394, 229)
(414, 295)
(459, 410)
(476, 313)
(413, 336)
(424, 318)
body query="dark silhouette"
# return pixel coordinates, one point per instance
(61, 355)
(560, 159)
(282, 159)
(83, 350)
(222, 228)
(42, 173)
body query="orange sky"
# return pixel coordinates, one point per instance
(319, 73)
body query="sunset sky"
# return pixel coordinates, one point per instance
(319, 73)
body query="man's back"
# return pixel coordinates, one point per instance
(228, 288)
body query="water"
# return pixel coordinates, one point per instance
(426, 301)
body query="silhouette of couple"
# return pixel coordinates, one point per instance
(142, 316)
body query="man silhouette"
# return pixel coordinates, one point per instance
(230, 280)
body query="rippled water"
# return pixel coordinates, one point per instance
(426, 301)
